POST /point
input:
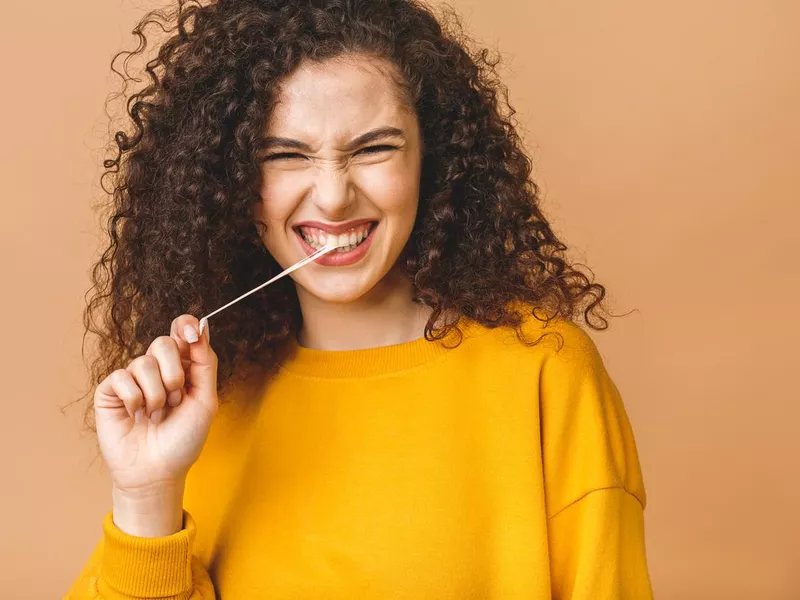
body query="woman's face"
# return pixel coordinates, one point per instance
(342, 159)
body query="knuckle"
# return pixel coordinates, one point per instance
(142, 362)
(120, 383)
(117, 376)
(162, 343)
(125, 387)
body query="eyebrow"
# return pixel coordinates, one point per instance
(373, 135)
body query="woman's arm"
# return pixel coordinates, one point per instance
(593, 480)
(152, 419)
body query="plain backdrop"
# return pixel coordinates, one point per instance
(666, 139)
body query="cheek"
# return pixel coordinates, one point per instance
(393, 187)
(281, 193)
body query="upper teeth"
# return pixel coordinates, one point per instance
(318, 238)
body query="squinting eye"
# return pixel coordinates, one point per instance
(376, 149)
(283, 155)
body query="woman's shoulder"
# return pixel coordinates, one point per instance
(584, 424)
(556, 340)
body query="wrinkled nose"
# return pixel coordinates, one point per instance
(333, 192)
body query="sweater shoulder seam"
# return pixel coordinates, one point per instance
(592, 491)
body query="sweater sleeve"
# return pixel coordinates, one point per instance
(597, 549)
(594, 489)
(126, 567)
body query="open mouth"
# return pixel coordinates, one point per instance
(346, 242)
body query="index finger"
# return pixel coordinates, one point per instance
(177, 332)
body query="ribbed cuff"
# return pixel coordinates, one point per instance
(141, 567)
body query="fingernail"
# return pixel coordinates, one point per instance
(190, 334)
(138, 416)
(157, 415)
(174, 398)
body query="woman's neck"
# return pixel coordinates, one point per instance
(384, 316)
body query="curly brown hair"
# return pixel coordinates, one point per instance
(182, 237)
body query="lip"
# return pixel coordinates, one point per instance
(335, 228)
(335, 258)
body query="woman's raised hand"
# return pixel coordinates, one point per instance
(153, 418)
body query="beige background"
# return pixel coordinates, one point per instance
(667, 141)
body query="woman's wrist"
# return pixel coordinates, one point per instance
(155, 511)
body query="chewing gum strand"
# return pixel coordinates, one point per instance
(310, 258)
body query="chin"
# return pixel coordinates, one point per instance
(339, 290)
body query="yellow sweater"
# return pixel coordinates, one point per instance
(490, 471)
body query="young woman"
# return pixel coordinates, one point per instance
(416, 415)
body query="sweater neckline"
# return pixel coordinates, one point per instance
(370, 362)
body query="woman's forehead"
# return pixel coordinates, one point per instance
(336, 100)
